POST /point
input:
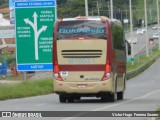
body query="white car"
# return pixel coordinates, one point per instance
(155, 35)
(134, 39)
(154, 28)
(140, 31)
(144, 30)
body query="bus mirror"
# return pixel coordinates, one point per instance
(128, 47)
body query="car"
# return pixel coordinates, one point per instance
(144, 30)
(155, 35)
(154, 28)
(134, 40)
(140, 31)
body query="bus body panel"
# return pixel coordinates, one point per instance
(94, 50)
(119, 63)
(84, 54)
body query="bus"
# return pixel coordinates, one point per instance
(89, 59)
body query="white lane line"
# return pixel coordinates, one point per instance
(106, 107)
(128, 101)
(40, 104)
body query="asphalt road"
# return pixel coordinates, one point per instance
(140, 46)
(142, 94)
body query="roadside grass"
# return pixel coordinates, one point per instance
(158, 110)
(143, 59)
(26, 89)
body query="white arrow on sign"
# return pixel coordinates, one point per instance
(36, 32)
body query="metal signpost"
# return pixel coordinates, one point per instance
(34, 34)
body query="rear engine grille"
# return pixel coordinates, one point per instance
(81, 53)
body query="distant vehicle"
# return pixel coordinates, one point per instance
(144, 30)
(140, 31)
(134, 40)
(154, 28)
(155, 35)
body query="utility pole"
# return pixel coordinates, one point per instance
(111, 4)
(131, 29)
(109, 14)
(86, 7)
(98, 8)
(146, 22)
(158, 20)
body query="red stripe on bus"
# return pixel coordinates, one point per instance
(81, 67)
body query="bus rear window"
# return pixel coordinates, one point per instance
(81, 29)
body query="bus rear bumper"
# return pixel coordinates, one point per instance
(83, 87)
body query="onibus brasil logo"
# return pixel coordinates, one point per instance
(36, 32)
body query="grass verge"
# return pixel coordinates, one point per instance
(143, 59)
(158, 110)
(26, 89)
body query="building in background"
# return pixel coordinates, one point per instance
(7, 32)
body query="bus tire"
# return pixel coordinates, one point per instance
(112, 97)
(120, 95)
(62, 99)
(104, 98)
(70, 99)
(77, 98)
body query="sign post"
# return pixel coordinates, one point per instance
(34, 34)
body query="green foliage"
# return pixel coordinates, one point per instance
(8, 57)
(73, 8)
(3, 3)
(25, 89)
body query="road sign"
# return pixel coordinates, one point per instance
(131, 60)
(34, 34)
(125, 20)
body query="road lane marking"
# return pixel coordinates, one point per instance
(128, 101)
(40, 104)
(117, 104)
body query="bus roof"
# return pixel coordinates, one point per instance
(83, 18)
(97, 18)
(90, 18)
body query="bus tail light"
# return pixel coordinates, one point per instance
(107, 73)
(57, 74)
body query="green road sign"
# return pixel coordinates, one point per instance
(34, 34)
(131, 60)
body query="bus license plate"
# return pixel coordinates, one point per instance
(82, 85)
(81, 60)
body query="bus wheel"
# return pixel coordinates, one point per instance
(77, 98)
(70, 99)
(112, 97)
(120, 95)
(104, 99)
(62, 99)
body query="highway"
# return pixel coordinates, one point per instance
(142, 94)
(140, 46)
